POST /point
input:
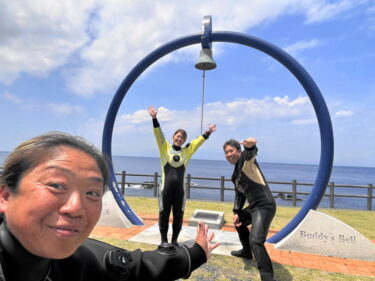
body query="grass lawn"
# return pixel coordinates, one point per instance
(362, 221)
(220, 268)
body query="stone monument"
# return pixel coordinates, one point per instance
(111, 213)
(321, 234)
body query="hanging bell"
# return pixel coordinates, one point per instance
(205, 61)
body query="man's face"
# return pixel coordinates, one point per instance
(232, 154)
(56, 205)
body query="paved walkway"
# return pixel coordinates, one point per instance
(149, 234)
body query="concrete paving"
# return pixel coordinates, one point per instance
(149, 233)
(228, 240)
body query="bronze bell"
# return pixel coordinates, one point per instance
(205, 61)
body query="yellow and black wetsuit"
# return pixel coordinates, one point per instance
(172, 191)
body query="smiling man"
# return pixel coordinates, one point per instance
(251, 186)
(51, 191)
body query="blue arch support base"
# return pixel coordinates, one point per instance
(320, 107)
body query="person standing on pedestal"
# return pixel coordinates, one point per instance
(174, 159)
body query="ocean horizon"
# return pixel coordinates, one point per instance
(4, 154)
(278, 172)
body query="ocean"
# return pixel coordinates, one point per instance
(302, 173)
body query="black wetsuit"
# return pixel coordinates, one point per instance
(251, 185)
(96, 261)
(172, 195)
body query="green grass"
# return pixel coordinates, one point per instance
(227, 268)
(362, 221)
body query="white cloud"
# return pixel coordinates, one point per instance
(285, 101)
(39, 37)
(370, 17)
(344, 113)
(64, 109)
(320, 10)
(18, 101)
(271, 119)
(12, 98)
(304, 121)
(97, 42)
(295, 48)
(234, 113)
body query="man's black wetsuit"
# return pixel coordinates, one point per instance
(172, 194)
(96, 261)
(251, 185)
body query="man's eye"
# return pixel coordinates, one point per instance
(94, 193)
(56, 185)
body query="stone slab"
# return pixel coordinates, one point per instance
(321, 234)
(213, 219)
(229, 241)
(111, 213)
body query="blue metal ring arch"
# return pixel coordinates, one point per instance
(320, 107)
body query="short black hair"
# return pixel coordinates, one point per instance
(33, 151)
(233, 143)
(183, 133)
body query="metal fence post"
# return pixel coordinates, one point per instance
(294, 195)
(332, 195)
(222, 179)
(123, 177)
(156, 184)
(188, 182)
(369, 199)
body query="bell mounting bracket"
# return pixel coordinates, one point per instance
(206, 32)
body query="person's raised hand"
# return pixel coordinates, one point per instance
(152, 111)
(204, 239)
(249, 142)
(212, 128)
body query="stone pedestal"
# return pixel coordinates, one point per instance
(213, 219)
(111, 213)
(322, 234)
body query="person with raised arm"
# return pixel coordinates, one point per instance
(174, 160)
(251, 186)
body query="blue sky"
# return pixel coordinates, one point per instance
(62, 61)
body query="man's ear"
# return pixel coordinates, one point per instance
(4, 197)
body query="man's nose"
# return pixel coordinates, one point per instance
(73, 206)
